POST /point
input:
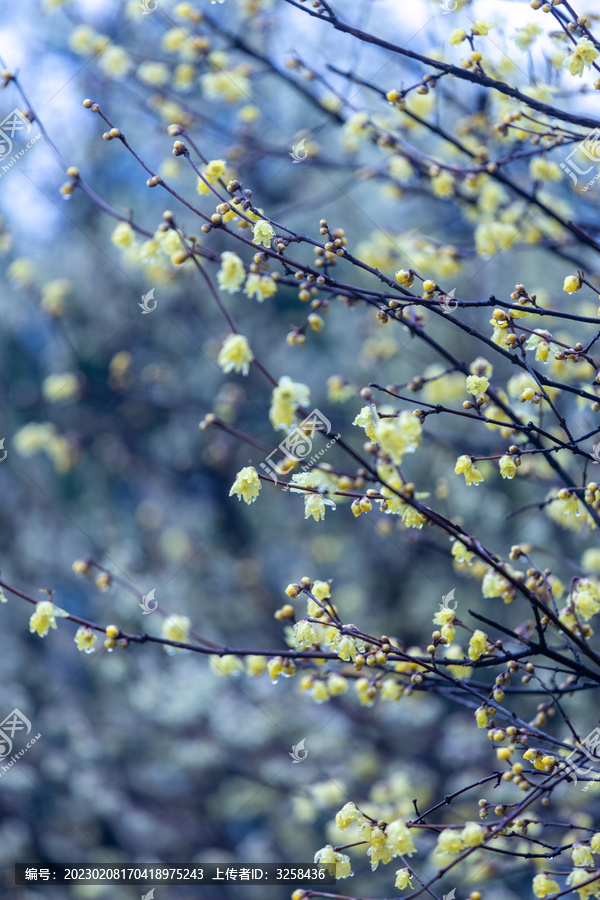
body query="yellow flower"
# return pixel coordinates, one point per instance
(227, 665)
(543, 885)
(399, 838)
(403, 879)
(256, 665)
(449, 841)
(583, 55)
(578, 876)
(61, 388)
(481, 717)
(305, 634)
(572, 284)
(477, 644)
(508, 468)
(260, 286)
(368, 420)
(176, 628)
(595, 843)
(287, 397)
(586, 598)
(44, 617)
(154, 73)
(123, 235)
(582, 855)
(115, 61)
(215, 169)
(541, 169)
(314, 505)
(443, 184)
(263, 232)
(246, 485)
(348, 813)
(232, 273)
(496, 585)
(477, 385)
(399, 435)
(327, 854)
(85, 639)
(524, 37)
(400, 169)
(465, 466)
(481, 27)
(457, 37)
(235, 354)
(473, 834)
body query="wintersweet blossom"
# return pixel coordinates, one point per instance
(465, 466)
(43, 617)
(235, 354)
(176, 628)
(263, 233)
(85, 638)
(477, 385)
(477, 644)
(543, 885)
(343, 868)
(246, 485)
(286, 398)
(231, 275)
(403, 879)
(260, 286)
(398, 435)
(572, 284)
(582, 56)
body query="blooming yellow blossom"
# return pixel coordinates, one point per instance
(457, 37)
(123, 235)
(465, 466)
(508, 467)
(176, 628)
(481, 27)
(582, 855)
(343, 869)
(477, 644)
(260, 286)
(403, 879)
(231, 275)
(85, 638)
(314, 505)
(235, 354)
(524, 37)
(154, 73)
(399, 838)
(398, 435)
(449, 841)
(543, 885)
(368, 419)
(473, 834)
(542, 169)
(347, 814)
(286, 398)
(263, 233)
(63, 387)
(582, 56)
(578, 876)
(43, 617)
(477, 385)
(226, 665)
(246, 485)
(305, 634)
(215, 170)
(586, 598)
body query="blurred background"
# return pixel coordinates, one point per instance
(146, 757)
